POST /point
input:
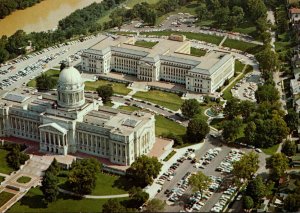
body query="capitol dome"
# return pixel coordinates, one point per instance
(70, 88)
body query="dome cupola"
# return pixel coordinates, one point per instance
(70, 88)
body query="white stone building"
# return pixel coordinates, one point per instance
(168, 60)
(65, 122)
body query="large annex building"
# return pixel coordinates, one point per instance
(168, 60)
(68, 122)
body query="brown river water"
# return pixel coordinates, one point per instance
(41, 17)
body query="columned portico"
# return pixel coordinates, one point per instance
(53, 138)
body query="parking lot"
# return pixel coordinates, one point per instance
(246, 87)
(218, 165)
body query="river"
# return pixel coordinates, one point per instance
(41, 17)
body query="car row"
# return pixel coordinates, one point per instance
(174, 194)
(168, 175)
(207, 158)
(224, 199)
(226, 165)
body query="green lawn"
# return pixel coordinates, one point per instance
(238, 66)
(197, 52)
(131, 3)
(197, 36)
(2, 179)
(164, 125)
(4, 197)
(33, 202)
(4, 167)
(146, 44)
(129, 108)
(166, 99)
(106, 184)
(245, 28)
(53, 73)
(242, 45)
(118, 88)
(170, 155)
(108, 104)
(217, 123)
(24, 179)
(271, 150)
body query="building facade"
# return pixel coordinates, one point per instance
(168, 61)
(67, 122)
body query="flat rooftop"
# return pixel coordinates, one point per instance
(167, 50)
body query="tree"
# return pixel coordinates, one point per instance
(268, 60)
(256, 9)
(267, 92)
(232, 108)
(155, 205)
(289, 148)
(246, 108)
(50, 186)
(246, 167)
(190, 108)
(113, 206)
(197, 130)
(62, 66)
(45, 82)
(222, 15)
(202, 12)
(143, 170)
(292, 203)
(232, 129)
(248, 203)
(292, 120)
(257, 189)
(138, 197)
(250, 132)
(199, 182)
(105, 92)
(278, 164)
(15, 158)
(82, 177)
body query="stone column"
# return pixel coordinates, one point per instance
(58, 139)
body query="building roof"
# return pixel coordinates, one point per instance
(294, 10)
(70, 76)
(55, 126)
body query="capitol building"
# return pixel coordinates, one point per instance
(66, 122)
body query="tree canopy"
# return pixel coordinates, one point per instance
(190, 108)
(289, 148)
(199, 182)
(278, 164)
(143, 170)
(105, 92)
(232, 129)
(45, 82)
(155, 205)
(197, 130)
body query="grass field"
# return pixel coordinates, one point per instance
(129, 108)
(146, 44)
(217, 123)
(53, 73)
(4, 167)
(197, 52)
(2, 179)
(166, 99)
(4, 197)
(24, 179)
(238, 66)
(170, 155)
(271, 150)
(131, 3)
(197, 36)
(243, 46)
(105, 184)
(118, 88)
(33, 202)
(164, 125)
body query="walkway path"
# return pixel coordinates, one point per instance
(93, 196)
(224, 39)
(4, 175)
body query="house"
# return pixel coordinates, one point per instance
(294, 15)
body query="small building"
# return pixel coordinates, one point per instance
(294, 15)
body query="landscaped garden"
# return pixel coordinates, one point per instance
(271, 150)
(33, 202)
(146, 44)
(24, 179)
(238, 66)
(118, 88)
(4, 197)
(170, 155)
(53, 73)
(197, 52)
(169, 100)
(217, 123)
(4, 167)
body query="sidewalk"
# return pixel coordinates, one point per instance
(93, 196)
